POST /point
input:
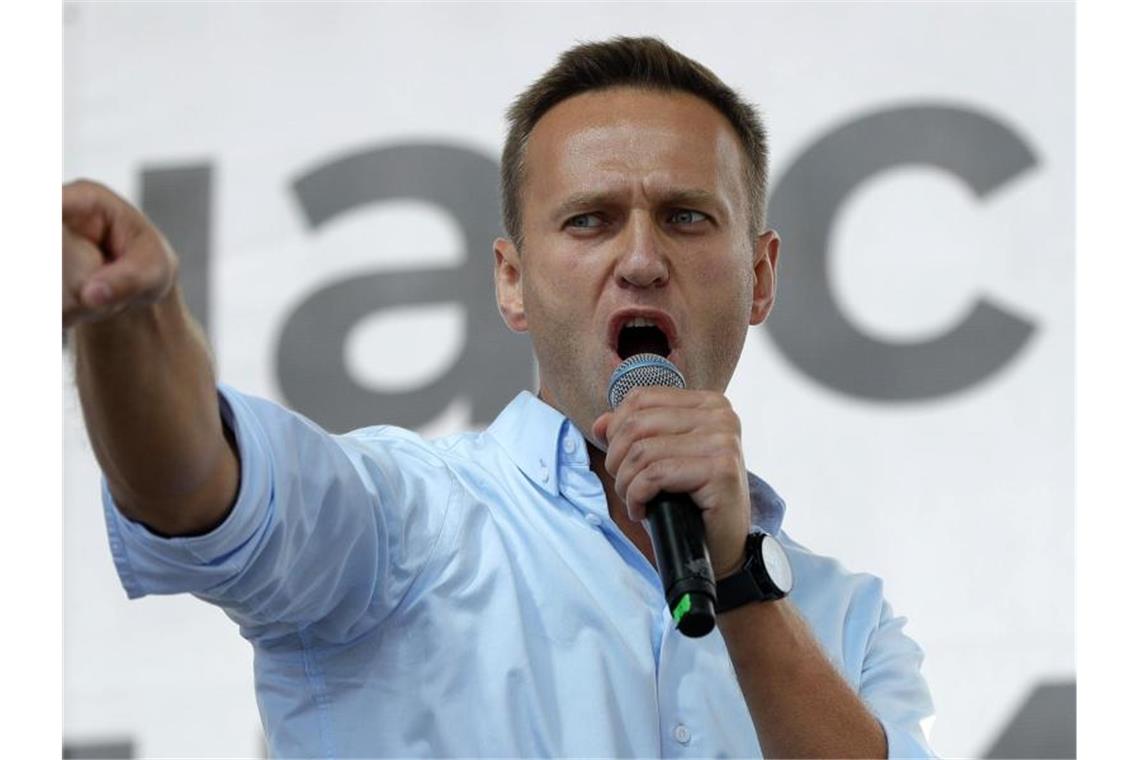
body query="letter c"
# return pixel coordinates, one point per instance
(807, 325)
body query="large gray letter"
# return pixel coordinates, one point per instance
(808, 327)
(494, 364)
(177, 199)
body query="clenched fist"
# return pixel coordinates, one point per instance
(113, 257)
(682, 441)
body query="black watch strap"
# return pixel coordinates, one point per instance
(751, 583)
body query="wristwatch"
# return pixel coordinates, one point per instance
(765, 576)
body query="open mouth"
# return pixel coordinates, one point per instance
(641, 336)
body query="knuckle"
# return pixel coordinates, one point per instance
(729, 443)
(621, 488)
(152, 268)
(127, 284)
(635, 493)
(641, 427)
(638, 452)
(80, 186)
(151, 277)
(728, 418)
(646, 484)
(84, 192)
(613, 431)
(611, 461)
(653, 472)
(169, 259)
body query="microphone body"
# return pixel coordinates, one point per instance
(675, 526)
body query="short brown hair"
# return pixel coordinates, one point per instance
(641, 62)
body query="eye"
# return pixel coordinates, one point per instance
(687, 216)
(584, 221)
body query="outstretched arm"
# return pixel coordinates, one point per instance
(143, 369)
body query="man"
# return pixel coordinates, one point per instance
(495, 593)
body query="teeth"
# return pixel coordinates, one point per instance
(639, 322)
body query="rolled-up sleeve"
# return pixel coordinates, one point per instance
(327, 532)
(893, 688)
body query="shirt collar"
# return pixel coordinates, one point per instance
(539, 439)
(531, 432)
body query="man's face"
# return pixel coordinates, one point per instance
(634, 212)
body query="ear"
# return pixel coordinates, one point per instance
(508, 285)
(764, 257)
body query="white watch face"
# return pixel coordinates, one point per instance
(776, 563)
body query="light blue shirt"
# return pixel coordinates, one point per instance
(470, 596)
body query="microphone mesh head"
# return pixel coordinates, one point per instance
(642, 370)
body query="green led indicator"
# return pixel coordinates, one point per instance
(682, 607)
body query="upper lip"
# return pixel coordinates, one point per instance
(658, 317)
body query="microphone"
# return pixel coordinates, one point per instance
(675, 527)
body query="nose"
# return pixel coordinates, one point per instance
(642, 263)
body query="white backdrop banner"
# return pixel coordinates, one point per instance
(328, 174)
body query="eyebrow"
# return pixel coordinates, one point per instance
(694, 197)
(583, 200)
(684, 196)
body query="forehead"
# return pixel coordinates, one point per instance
(630, 140)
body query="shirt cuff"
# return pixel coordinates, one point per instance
(151, 564)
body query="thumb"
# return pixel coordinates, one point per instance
(96, 294)
(125, 281)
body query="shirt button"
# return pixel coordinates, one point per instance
(569, 445)
(681, 734)
(593, 519)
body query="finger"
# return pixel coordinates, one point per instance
(627, 428)
(624, 433)
(604, 424)
(93, 288)
(96, 213)
(643, 400)
(627, 419)
(712, 482)
(689, 475)
(648, 396)
(93, 302)
(86, 211)
(715, 447)
(723, 503)
(129, 280)
(81, 259)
